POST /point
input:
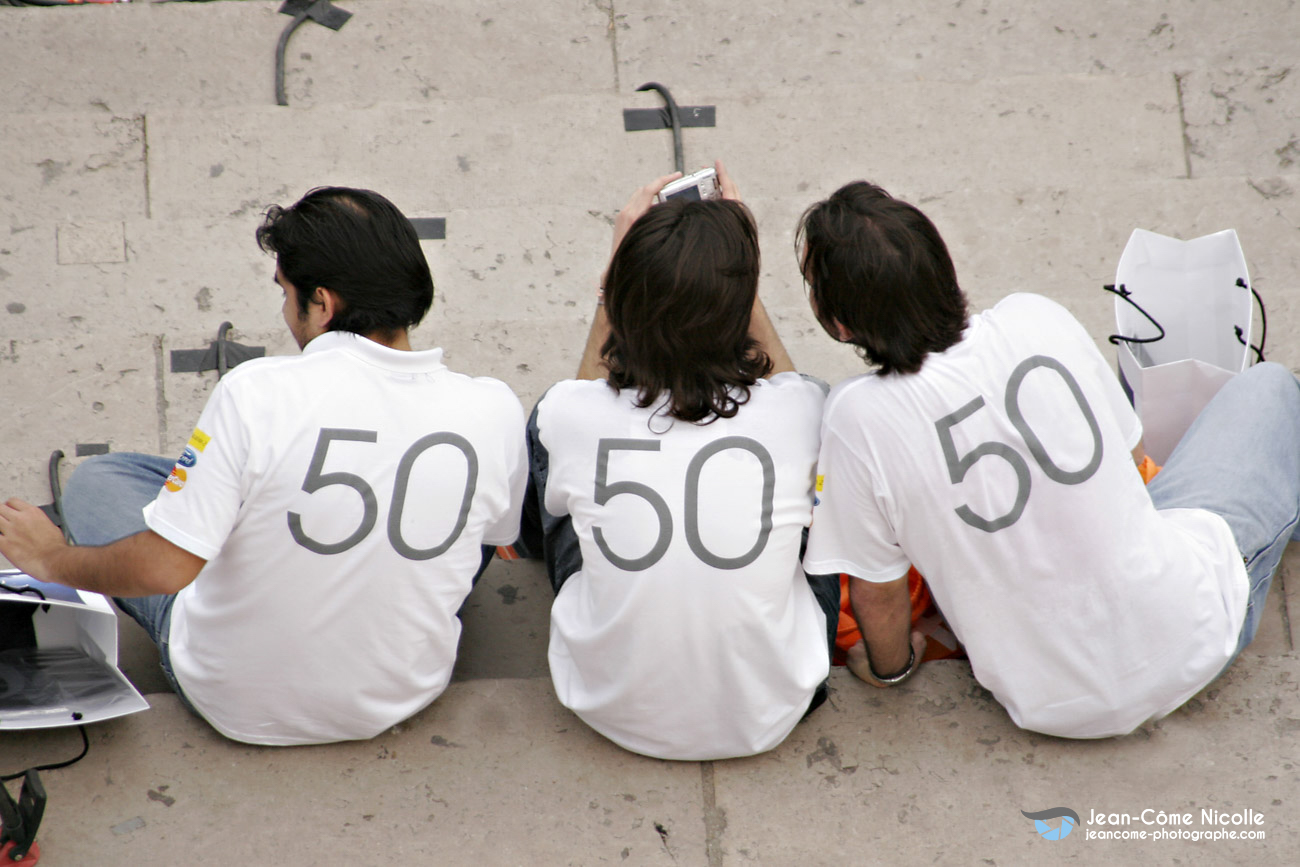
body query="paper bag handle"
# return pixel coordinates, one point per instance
(1263, 323)
(1127, 294)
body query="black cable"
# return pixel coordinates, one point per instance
(20, 590)
(85, 748)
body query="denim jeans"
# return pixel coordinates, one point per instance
(102, 503)
(1241, 460)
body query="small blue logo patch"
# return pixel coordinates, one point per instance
(188, 458)
(1068, 818)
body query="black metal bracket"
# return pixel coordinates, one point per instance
(430, 228)
(221, 355)
(54, 511)
(671, 116)
(22, 818)
(640, 119)
(323, 12)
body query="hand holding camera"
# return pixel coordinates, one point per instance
(699, 187)
(710, 183)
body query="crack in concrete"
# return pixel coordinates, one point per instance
(663, 839)
(612, 33)
(1281, 579)
(160, 393)
(144, 139)
(715, 819)
(1182, 122)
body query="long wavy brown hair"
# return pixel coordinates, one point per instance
(679, 294)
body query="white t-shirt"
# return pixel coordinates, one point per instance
(340, 498)
(690, 632)
(1003, 471)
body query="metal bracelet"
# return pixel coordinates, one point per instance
(901, 676)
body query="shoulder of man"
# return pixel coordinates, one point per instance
(1031, 304)
(570, 390)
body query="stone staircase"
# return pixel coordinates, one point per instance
(143, 143)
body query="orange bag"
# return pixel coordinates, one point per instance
(940, 643)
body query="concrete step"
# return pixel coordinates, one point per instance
(215, 55)
(572, 150)
(151, 57)
(496, 772)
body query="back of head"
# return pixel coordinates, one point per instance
(878, 267)
(679, 294)
(357, 244)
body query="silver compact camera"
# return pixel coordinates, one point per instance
(699, 187)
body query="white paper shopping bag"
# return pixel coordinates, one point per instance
(58, 657)
(1183, 318)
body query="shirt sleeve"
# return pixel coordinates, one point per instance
(198, 505)
(506, 529)
(850, 532)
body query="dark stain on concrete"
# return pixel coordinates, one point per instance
(157, 795)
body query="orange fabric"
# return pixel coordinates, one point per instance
(1148, 469)
(940, 643)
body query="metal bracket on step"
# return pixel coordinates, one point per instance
(221, 355)
(430, 228)
(671, 116)
(323, 12)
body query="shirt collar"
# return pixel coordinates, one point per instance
(376, 353)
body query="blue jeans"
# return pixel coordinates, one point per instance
(1241, 460)
(102, 503)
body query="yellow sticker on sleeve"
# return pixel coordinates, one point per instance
(199, 439)
(820, 481)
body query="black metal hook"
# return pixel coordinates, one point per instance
(221, 355)
(54, 511)
(322, 12)
(222, 331)
(674, 118)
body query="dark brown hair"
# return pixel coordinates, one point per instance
(877, 266)
(679, 294)
(358, 244)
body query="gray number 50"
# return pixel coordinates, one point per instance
(606, 490)
(316, 479)
(959, 466)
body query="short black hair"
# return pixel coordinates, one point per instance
(679, 295)
(877, 266)
(359, 245)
